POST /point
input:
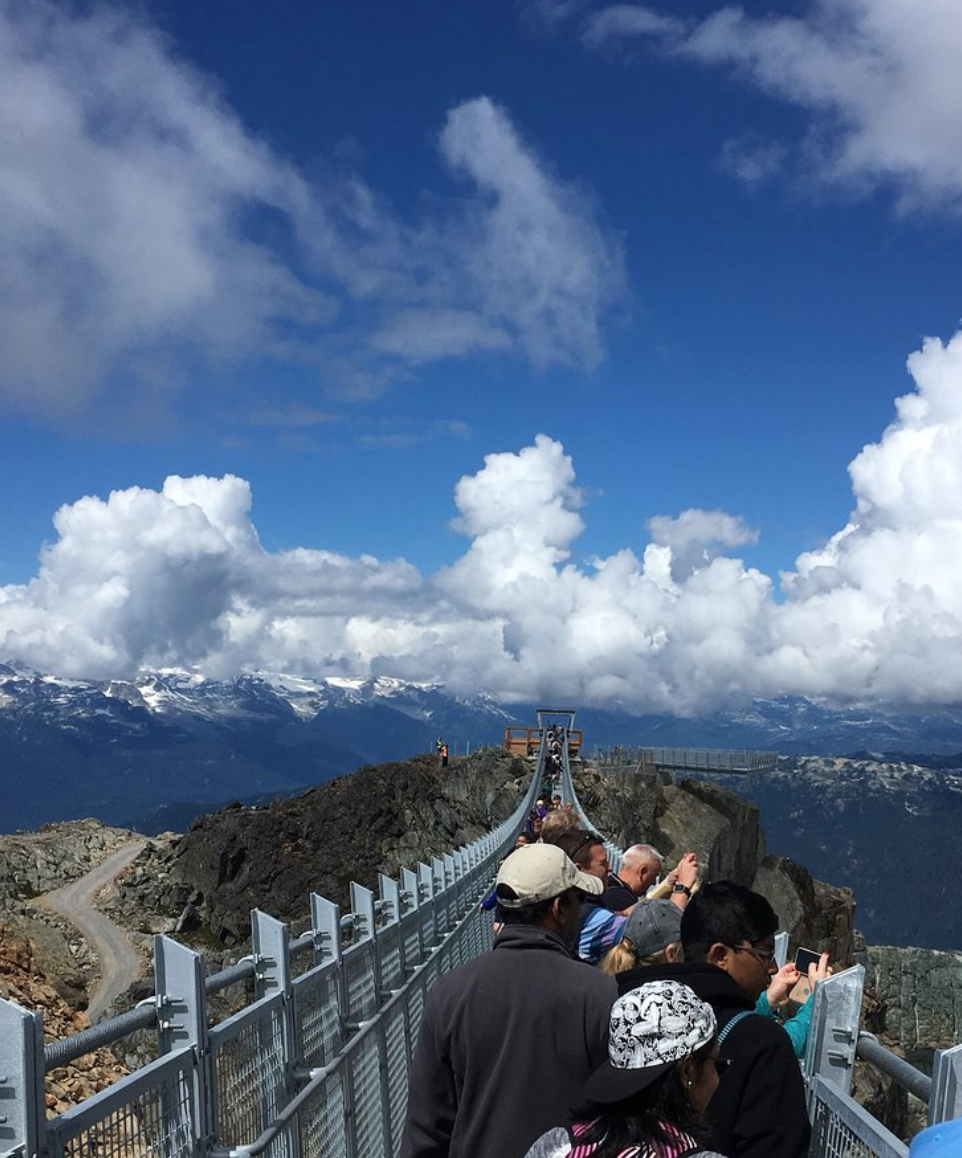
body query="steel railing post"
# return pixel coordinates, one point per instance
(326, 925)
(22, 1112)
(390, 953)
(411, 898)
(833, 1036)
(945, 1101)
(271, 950)
(182, 1022)
(427, 909)
(781, 949)
(362, 907)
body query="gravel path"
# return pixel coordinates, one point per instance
(119, 961)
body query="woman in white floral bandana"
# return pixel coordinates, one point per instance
(648, 1098)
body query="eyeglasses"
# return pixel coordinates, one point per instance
(721, 1064)
(766, 956)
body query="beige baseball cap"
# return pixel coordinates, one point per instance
(538, 872)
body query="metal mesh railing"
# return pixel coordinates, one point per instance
(317, 1015)
(148, 1114)
(250, 1071)
(841, 1128)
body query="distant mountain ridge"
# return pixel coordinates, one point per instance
(887, 828)
(170, 745)
(155, 750)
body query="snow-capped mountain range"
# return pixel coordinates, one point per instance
(888, 829)
(180, 743)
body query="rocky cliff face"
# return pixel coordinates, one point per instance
(376, 820)
(921, 995)
(725, 831)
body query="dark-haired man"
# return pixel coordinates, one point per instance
(599, 928)
(728, 938)
(508, 1040)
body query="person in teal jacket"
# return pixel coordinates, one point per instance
(776, 997)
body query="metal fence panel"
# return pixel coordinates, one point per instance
(364, 1070)
(323, 1122)
(149, 1113)
(317, 1015)
(360, 982)
(841, 1128)
(397, 1065)
(250, 1071)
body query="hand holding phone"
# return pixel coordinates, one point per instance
(813, 967)
(804, 958)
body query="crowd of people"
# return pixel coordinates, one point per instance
(637, 1014)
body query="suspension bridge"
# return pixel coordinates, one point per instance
(316, 1064)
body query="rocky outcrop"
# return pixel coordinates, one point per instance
(816, 915)
(37, 862)
(272, 857)
(920, 991)
(56, 954)
(630, 806)
(723, 829)
(26, 979)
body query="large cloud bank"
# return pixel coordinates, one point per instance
(142, 226)
(178, 577)
(881, 81)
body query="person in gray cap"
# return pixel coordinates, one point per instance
(652, 937)
(508, 1041)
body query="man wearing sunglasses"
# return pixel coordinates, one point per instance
(728, 939)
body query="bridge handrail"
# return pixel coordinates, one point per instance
(870, 1049)
(569, 794)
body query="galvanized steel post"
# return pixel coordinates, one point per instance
(833, 1035)
(271, 950)
(22, 1111)
(945, 1101)
(182, 1021)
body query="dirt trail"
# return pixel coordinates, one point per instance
(119, 961)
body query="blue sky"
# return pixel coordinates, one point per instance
(346, 252)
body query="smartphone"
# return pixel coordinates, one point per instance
(804, 958)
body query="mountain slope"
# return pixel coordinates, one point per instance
(888, 828)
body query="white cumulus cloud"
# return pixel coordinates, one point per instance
(678, 623)
(130, 201)
(880, 80)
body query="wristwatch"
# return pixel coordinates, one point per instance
(678, 887)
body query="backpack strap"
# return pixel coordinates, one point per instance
(732, 1022)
